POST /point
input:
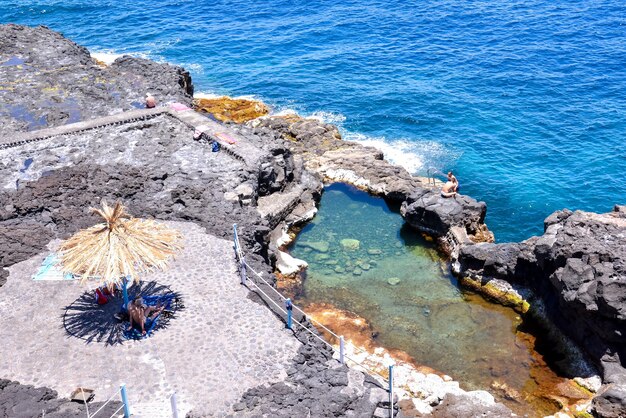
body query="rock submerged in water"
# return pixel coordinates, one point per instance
(350, 244)
(319, 246)
(393, 281)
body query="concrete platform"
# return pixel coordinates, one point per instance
(218, 346)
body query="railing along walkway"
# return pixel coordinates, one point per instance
(230, 141)
(287, 309)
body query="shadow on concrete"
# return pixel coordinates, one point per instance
(88, 321)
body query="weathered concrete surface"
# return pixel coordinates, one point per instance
(23, 138)
(220, 345)
(47, 80)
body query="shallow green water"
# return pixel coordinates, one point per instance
(397, 281)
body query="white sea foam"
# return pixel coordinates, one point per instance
(322, 116)
(106, 57)
(193, 67)
(209, 95)
(328, 117)
(415, 156)
(206, 95)
(285, 112)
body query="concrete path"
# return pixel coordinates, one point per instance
(217, 347)
(230, 141)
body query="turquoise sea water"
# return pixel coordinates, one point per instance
(523, 99)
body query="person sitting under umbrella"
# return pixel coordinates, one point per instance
(138, 311)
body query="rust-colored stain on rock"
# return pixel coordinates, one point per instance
(227, 109)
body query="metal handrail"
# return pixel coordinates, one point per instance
(431, 172)
(245, 266)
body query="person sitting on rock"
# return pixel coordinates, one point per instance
(150, 101)
(448, 189)
(453, 179)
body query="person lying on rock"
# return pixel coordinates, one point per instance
(138, 311)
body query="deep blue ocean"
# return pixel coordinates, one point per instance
(524, 100)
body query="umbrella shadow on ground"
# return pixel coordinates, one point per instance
(87, 320)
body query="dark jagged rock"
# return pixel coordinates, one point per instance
(278, 169)
(52, 81)
(320, 146)
(316, 386)
(578, 266)
(611, 401)
(429, 212)
(26, 401)
(172, 82)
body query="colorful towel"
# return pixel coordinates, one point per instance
(179, 107)
(50, 271)
(225, 137)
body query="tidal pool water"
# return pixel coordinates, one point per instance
(364, 259)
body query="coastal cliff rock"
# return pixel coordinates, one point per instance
(429, 212)
(324, 152)
(47, 80)
(578, 266)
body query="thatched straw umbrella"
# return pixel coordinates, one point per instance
(118, 250)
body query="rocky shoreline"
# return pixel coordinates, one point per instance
(577, 266)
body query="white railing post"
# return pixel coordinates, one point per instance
(243, 270)
(174, 408)
(391, 391)
(341, 350)
(239, 255)
(85, 402)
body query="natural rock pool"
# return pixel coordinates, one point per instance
(364, 259)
